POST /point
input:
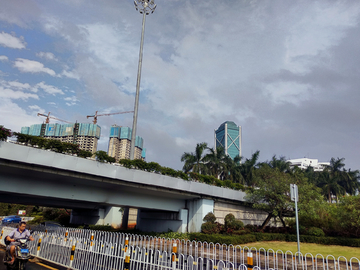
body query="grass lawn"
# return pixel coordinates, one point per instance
(314, 249)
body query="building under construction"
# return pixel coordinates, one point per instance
(120, 141)
(83, 134)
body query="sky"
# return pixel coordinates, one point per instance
(287, 72)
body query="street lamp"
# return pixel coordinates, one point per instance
(145, 7)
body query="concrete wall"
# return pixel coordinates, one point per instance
(246, 214)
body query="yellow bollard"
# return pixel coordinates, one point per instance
(174, 250)
(250, 263)
(91, 241)
(2, 233)
(72, 255)
(38, 246)
(127, 258)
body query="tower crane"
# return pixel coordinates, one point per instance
(47, 121)
(105, 114)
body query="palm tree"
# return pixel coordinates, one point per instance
(231, 170)
(248, 169)
(279, 163)
(350, 181)
(335, 180)
(216, 161)
(194, 161)
(330, 185)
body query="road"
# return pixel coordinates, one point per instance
(30, 265)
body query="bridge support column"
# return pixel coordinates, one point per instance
(112, 216)
(162, 221)
(197, 211)
(104, 216)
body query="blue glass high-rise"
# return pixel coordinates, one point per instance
(228, 136)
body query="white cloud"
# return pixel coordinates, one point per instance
(11, 94)
(15, 85)
(14, 116)
(4, 58)
(71, 100)
(47, 55)
(19, 85)
(26, 65)
(7, 40)
(70, 74)
(50, 89)
(36, 108)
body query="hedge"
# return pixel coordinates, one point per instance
(258, 237)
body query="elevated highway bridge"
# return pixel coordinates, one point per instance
(96, 191)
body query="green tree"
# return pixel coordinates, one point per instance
(194, 160)
(336, 181)
(232, 170)
(102, 156)
(347, 215)
(248, 169)
(4, 133)
(279, 163)
(216, 161)
(272, 194)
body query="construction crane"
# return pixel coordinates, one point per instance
(48, 118)
(104, 114)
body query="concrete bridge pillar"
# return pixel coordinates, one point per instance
(198, 209)
(104, 216)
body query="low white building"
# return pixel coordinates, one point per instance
(303, 163)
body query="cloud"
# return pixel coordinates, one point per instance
(14, 116)
(11, 94)
(70, 74)
(25, 65)
(15, 85)
(50, 89)
(71, 101)
(47, 55)
(36, 108)
(7, 40)
(4, 58)
(20, 12)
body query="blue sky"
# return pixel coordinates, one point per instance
(286, 71)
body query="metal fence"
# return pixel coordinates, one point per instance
(87, 249)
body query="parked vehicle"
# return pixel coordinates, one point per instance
(22, 255)
(10, 219)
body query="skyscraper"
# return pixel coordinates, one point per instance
(228, 136)
(84, 134)
(120, 141)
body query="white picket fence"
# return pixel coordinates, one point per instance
(95, 250)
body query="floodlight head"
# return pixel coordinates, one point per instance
(145, 6)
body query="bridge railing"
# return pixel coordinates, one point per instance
(87, 249)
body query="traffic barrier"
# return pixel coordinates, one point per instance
(250, 263)
(108, 250)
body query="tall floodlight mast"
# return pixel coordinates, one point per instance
(145, 7)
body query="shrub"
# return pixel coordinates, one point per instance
(315, 231)
(210, 228)
(210, 217)
(251, 228)
(231, 223)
